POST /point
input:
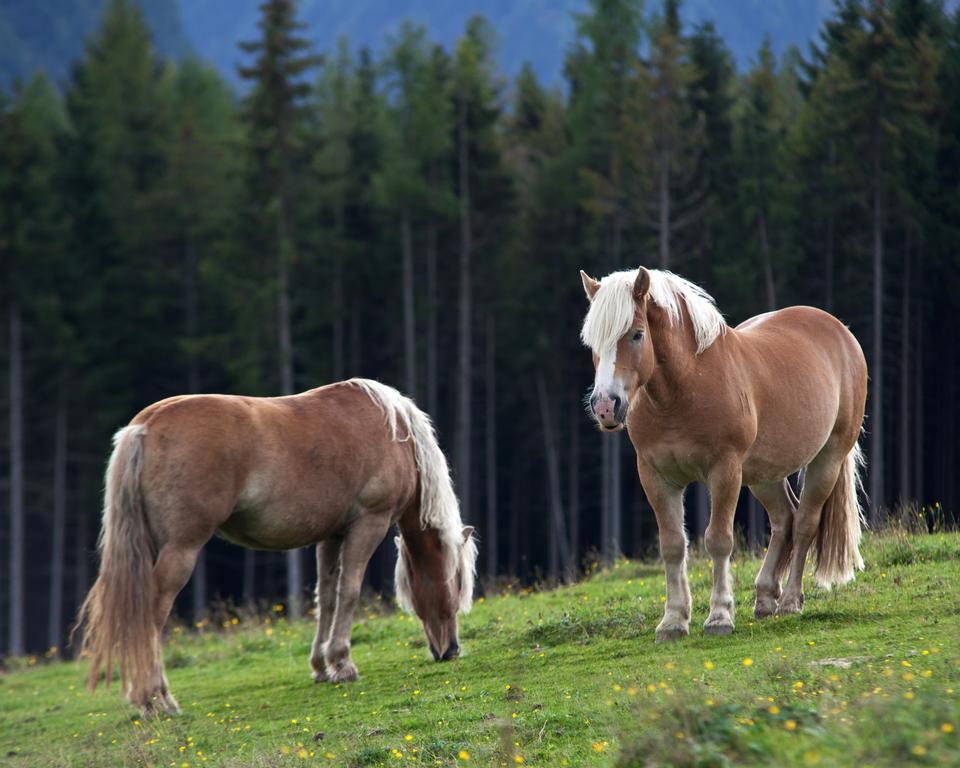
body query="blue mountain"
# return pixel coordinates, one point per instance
(538, 31)
(49, 34)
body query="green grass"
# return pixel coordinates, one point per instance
(867, 676)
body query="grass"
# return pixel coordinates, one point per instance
(867, 676)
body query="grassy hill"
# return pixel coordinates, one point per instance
(869, 675)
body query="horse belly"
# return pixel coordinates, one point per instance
(277, 513)
(788, 440)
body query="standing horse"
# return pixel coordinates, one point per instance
(335, 467)
(728, 407)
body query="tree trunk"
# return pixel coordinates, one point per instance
(573, 468)
(904, 442)
(81, 569)
(616, 495)
(491, 448)
(337, 368)
(432, 310)
(767, 263)
(606, 446)
(58, 532)
(409, 316)
(285, 340)
(249, 577)
(464, 369)
(918, 413)
(559, 551)
(876, 375)
(702, 502)
(15, 644)
(754, 523)
(664, 233)
(191, 323)
(829, 266)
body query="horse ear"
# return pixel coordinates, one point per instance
(641, 285)
(468, 532)
(590, 286)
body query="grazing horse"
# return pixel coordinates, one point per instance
(335, 467)
(729, 407)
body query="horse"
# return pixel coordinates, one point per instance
(729, 407)
(335, 466)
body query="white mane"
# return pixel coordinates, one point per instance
(612, 309)
(439, 508)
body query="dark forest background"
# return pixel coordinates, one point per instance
(416, 217)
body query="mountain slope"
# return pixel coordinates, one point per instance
(538, 31)
(50, 34)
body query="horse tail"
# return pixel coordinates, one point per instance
(838, 538)
(439, 508)
(117, 614)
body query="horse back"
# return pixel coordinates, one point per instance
(274, 472)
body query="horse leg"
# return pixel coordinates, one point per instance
(328, 573)
(170, 573)
(667, 503)
(359, 543)
(818, 483)
(724, 482)
(778, 500)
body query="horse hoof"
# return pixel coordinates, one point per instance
(717, 629)
(161, 704)
(671, 634)
(790, 606)
(764, 612)
(764, 609)
(346, 672)
(320, 676)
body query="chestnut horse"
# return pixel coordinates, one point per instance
(729, 407)
(335, 467)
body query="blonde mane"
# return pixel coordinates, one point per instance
(439, 508)
(612, 309)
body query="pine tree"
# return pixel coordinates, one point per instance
(603, 70)
(876, 106)
(481, 201)
(274, 113)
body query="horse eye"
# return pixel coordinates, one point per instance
(637, 335)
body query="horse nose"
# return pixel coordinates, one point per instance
(452, 652)
(616, 405)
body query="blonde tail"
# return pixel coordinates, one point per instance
(117, 614)
(841, 523)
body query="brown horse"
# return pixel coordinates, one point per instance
(335, 467)
(728, 407)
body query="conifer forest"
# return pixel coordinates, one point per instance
(411, 214)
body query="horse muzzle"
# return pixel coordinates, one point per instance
(448, 655)
(609, 410)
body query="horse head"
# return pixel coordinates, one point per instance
(616, 330)
(434, 580)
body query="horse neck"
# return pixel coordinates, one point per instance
(675, 351)
(421, 543)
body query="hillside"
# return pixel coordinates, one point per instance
(49, 35)
(538, 31)
(869, 675)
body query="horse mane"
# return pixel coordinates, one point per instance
(612, 309)
(439, 508)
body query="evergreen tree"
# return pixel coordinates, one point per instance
(876, 106)
(274, 113)
(482, 200)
